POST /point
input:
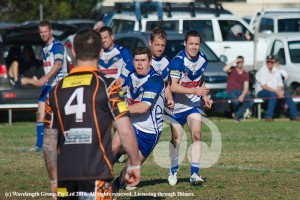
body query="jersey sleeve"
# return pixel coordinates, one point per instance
(175, 67)
(128, 68)
(154, 86)
(58, 52)
(116, 101)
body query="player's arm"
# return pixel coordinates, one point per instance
(139, 108)
(205, 98)
(177, 88)
(169, 96)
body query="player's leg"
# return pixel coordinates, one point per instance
(194, 124)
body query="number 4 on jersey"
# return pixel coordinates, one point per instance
(78, 108)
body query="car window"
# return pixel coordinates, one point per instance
(233, 30)
(204, 27)
(266, 24)
(130, 43)
(278, 51)
(172, 25)
(294, 49)
(289, 25)
(119, 26)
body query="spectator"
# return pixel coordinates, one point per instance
(282, 72)
(138, 9)
(24, 70)
(269, 86)
(12, 61)
(77, 147)
(238, 88)
(236, 33)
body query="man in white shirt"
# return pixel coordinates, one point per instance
(269, 86)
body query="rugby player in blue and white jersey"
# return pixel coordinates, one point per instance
(157, 44)
(116, 61)
(145, 97)
(55, 68)
(186, 72)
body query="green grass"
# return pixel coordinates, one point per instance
(258, 160)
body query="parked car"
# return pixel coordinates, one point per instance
(215, 24)
(19, 36)
(286, 47)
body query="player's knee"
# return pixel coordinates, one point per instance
(196, 136)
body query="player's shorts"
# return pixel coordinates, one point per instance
(45, 91)
(181, 118)
(146, 141)
(88, 190)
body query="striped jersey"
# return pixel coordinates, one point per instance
(189, 73)
(52, 53)
(117, 62)
(82, 107)
(150, 90)
(161, 66)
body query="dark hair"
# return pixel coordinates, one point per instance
(191, 34)
(158, 32)
(45, 23)
(240, 57)
(87, 44)
(142, 50)
(106, 28)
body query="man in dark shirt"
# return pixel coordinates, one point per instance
(238, 87)
(80, 111)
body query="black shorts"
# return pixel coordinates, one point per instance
(87, 190)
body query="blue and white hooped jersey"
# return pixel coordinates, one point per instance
(161, 66)
(148, 89)
(117, 62)
(52, 53)
(189, 73)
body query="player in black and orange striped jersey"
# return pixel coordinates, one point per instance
(79, 115)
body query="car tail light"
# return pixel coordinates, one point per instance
(68, 45)
(3, 71)
(9, 95)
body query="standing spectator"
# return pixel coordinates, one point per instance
(115, 61)
(77, 147)
(146, 3)
(269, 86)
(157, 44)
(186, 70)
(238, 88)
(145, 97)
(55, 68)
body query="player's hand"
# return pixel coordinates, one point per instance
(170, 104)
(133, 174)
(201, 91)
(207, 102)
(54, 190)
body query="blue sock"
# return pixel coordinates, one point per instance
(174, 169)
(195, 168)
(39, 134)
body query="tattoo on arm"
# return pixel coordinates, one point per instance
(50, 152)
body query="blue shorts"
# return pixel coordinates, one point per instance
(182, 117)
(146, 141)
(45, 91)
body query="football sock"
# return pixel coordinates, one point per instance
(39, 134)
(195, 168)
(174, 155)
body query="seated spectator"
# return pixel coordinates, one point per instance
(26, 70)
(238, 88)
(138, 8)
(236, 33)
(269, 86)
(12, 61)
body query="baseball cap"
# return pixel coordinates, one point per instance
(270, 58)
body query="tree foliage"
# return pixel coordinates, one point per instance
(26, 10)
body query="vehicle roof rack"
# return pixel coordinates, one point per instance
(200, 6)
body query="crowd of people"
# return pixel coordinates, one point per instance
(112, 89)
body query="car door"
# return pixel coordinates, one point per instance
(237, 40)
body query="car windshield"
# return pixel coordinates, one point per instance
(289, 25)
(175, 46)
(294, 48)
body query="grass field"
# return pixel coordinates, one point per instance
(258, 160)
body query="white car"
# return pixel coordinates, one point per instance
(215, 24)
(286, 47)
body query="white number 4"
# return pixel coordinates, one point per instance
(78, 108)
